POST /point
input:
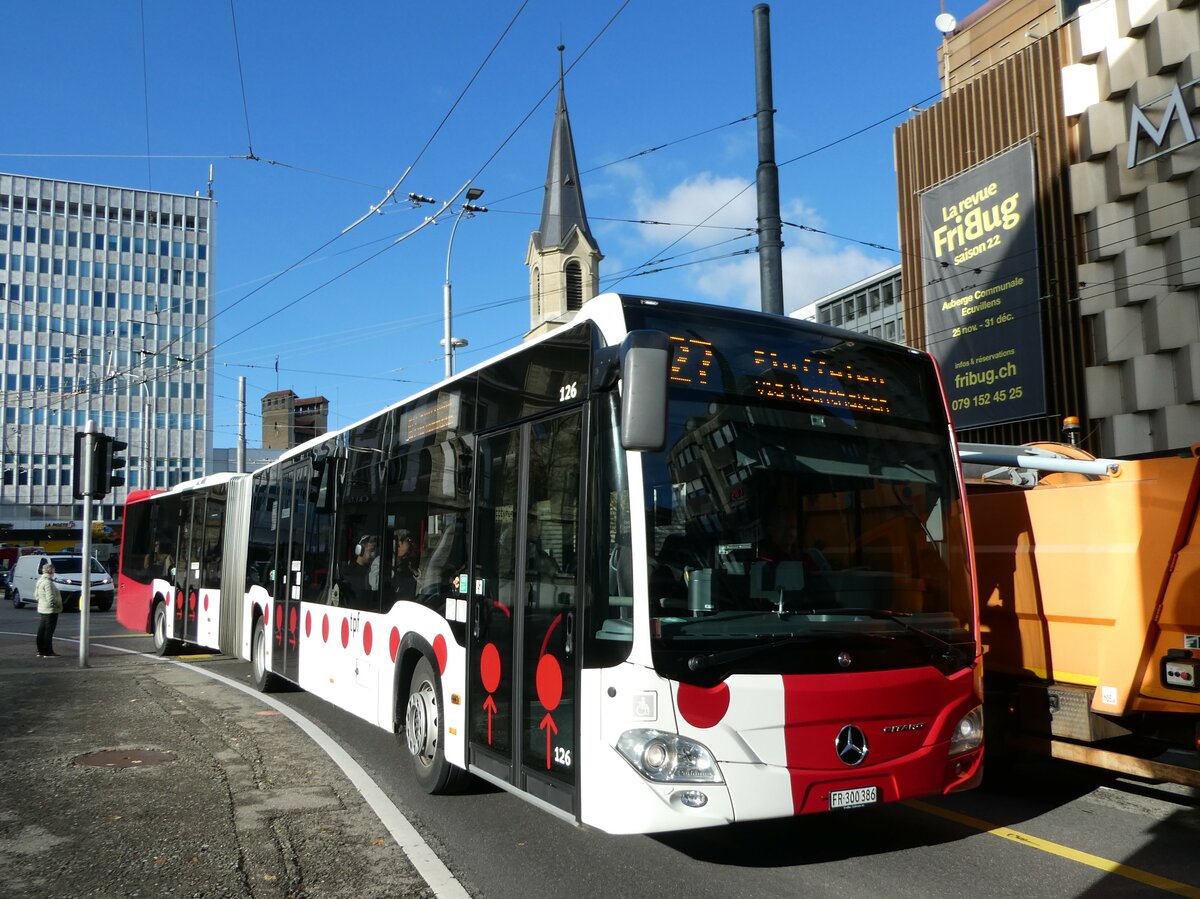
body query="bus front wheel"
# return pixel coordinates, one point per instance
(425, 732)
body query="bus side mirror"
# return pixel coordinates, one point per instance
(645, 356)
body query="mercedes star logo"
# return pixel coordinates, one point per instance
(851, 745)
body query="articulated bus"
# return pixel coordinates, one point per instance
(667, 567)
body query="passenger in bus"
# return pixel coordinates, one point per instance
(782, 542)
(159, 562)
(405, 570)
(356, 586)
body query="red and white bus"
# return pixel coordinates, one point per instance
(670, 566)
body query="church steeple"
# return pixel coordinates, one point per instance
(563, 256)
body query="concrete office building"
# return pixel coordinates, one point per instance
(106, 294)
(872, 306)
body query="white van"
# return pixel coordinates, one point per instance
(68, 575)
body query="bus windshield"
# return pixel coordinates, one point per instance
(806, 507)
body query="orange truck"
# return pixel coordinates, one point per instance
(1089, 593)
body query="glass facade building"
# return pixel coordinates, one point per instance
(106, 300)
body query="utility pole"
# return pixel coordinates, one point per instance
(770, 228)
(241, 444)
(87, 464)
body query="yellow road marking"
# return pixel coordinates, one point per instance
(121, 636)
(1084, 858)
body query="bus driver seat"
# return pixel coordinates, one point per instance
(781, 584)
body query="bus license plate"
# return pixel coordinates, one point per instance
(853, 798)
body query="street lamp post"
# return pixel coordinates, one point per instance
(147, 436)
(473, 193)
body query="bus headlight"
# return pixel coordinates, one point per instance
(968, 734)
(668, 758)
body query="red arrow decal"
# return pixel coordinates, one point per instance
(490, 705)
(549, 727)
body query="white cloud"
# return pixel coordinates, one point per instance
(813, 264)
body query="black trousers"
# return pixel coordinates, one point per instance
(45, 634)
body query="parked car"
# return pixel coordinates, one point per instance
(68, 575)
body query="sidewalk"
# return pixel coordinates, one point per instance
(199, 790)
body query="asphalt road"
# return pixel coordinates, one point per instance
(1051, 830)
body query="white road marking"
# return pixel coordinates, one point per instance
(424, 859)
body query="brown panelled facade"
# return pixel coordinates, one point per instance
(1018, 99)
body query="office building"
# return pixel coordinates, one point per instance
(106, 293)
(872, 306)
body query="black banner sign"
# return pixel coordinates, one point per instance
(982, 314)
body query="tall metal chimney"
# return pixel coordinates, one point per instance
(770, 238)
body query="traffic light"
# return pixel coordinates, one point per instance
(77, 485)
(106, 466)
(106, 469)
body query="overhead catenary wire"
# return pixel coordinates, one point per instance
(146, 96)
(214, 315)
(237, 49)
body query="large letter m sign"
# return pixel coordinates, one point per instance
(1139, 122)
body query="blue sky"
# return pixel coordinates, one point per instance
(339, 100)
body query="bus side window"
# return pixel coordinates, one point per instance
(608, 615)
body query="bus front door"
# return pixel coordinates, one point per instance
(522, 644)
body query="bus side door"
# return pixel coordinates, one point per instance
(294, 491)
(188, 566)
(522, 643)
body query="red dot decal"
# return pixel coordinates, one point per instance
(325, 628)
(345, 633)
(394, 643)
(549, 682)
(368, 638)
(439, 652)
(308, 624)
(206, 602)
(703, 706)
(489, 667)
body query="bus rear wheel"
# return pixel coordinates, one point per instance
(264, 680)
(162, 644)
(425, 732)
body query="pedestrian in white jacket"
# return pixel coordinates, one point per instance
(49, 604)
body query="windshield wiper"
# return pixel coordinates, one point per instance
(699, 663)
(949, 652)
